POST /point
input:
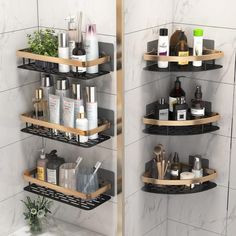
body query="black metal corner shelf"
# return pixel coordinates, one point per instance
(31, 66)
(182, 189)
(180, 130)
(69, 200)
(174, 67)
(47, 133)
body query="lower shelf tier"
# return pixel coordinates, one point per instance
(54, 71)
(180, 130)
(70, 200)
(47, 133)
(178, 189)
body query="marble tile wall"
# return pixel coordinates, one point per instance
(18, 151)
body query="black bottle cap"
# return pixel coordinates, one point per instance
(163, 32)
(198, 92)
(176, 158)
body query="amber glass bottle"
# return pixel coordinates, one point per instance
(182, 49)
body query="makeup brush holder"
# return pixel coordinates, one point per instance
(86, 181)
(67, 176)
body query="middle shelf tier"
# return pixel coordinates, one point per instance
(186, 127)
(45, 129)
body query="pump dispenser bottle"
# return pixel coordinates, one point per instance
(47, 86)
(92, 109)
(82, 124)
(91, 47)
(72, 33)
(77, 96)
(42, 166)
(63, 51)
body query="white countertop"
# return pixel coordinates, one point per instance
(57, 228)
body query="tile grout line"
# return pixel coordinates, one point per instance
(162, 222)
(12, 196)
(37, 4)
(18, 30)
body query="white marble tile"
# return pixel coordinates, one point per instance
(160, 230)
(231, 223)
(13, 103)
(232, 181)
(155, 13)
(219, 94)
(234, 117)
(11, 214)
(225, 40)
(136, 155)
(176, 229)
(14, 160)
(135, 47)
(144, 211)
(15, 15)
(212, 12)
(52, 14)
(10, 76)
(206, 210)
(135, 107)
(215, 148)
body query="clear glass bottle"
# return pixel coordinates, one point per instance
(198, 106)
(40, 105)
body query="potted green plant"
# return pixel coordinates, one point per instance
(36, 211)
(44, 42)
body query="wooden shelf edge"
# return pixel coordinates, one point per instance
(213, 118)
(28, 119)
(24, 54)
(28, 177)
(212, 174)
(208, 56)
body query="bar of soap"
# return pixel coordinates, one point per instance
(186, 175)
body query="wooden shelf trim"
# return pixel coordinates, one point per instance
(24, 53)
(211, 176)
(28, 119)
(208, 55)
(213, 118)
(28, 176)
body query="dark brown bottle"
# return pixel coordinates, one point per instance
(175, 168)
(198, 106)
(182, 49)
(175, 38)
(79, 54)
(176, 92)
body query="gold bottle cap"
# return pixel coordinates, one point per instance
(81, 112)
(39, 93)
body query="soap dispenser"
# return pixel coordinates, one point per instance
(42, 166)
(72, 33)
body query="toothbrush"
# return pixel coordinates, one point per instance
(78, 161)
(96, 167)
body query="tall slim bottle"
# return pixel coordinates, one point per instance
(92, 109)
(63, 51)
(163, 47)
(77, 96)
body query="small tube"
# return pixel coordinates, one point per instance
(68, 114)
(54, 110)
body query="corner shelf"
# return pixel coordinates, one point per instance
(72, 197)
(187, 127)
(44, 129)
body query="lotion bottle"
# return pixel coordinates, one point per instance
(163, 47)
(72, 33)
(82, 124)
(42, 166)
(63, 51)
(91, 47)
(92, 109)
(197, 45)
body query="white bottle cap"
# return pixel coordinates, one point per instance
(42, 155)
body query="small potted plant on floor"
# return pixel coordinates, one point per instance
(44, 42)
(36, 212)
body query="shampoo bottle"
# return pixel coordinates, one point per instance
(42, 166)
(91, 47)
(163, 47)
(63, 51)
(197, 45)
(82, 124)
(92, 109)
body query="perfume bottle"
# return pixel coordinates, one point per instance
(198, 108)
(40, 105)
(180, 109)
(162, 110)
(175, 93)
(175, 168)
(182, 49)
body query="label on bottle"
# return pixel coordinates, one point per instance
(198, 112)
(78, 103)
(82, 124)
(92, 115)
(172, 101)
(174, 172)
(181, 115)
(52, 176)
(163, 114)
(183, 54)
(63, 53)
(197, 49)
(41, 173)
(163, 50)
(81, 58)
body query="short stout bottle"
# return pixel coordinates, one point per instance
(162, 110)
(175, 168)
(198, 106)
(175, 93)
(175, 37)
(180, 109)
(182, 49)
